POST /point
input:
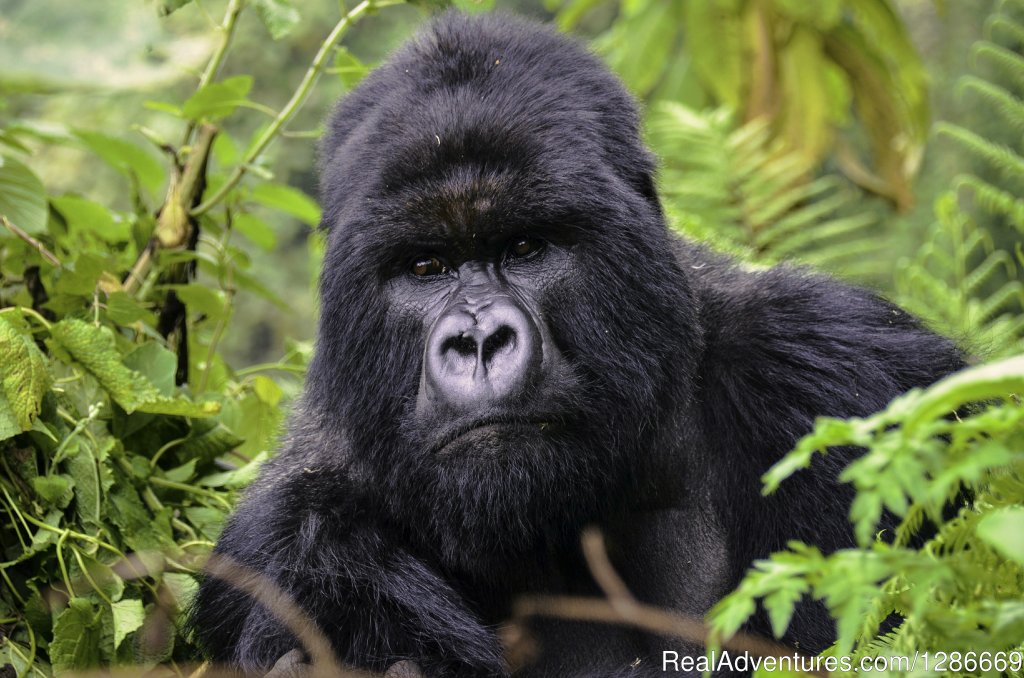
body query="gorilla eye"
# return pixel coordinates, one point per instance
(430, 265)
(523, 246)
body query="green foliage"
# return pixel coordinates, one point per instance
(960, 590)
(808, 69)
(743, 191)
(125, 435)
(960, 279)
(950, 457)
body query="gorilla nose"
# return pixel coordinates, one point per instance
(480, 354)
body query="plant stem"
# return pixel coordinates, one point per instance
(289, 110)
(50, 257)
(227, 31)
(191, 489)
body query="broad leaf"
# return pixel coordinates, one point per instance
(22, 196)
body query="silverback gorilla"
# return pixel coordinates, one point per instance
(513, 346)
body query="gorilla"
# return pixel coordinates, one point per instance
(513, 346)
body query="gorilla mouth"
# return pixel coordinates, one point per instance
(479, 430)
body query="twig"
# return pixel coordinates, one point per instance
(622, 607)
(173, 222)
(289, 110)
(36, 245)
(227, 31)
(277, 602)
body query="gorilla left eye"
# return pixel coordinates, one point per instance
(429, 265)
(523, 246)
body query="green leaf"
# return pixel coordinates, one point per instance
(209, 521)
(289, 200)
(81, 466)
(128, 617)
(279, 16)
(237, 479)
(85, 216)
(349, 69)
(218, 99)
(256, 230)
(94, 348)
(76, 638)
(1003, 530)
(54, 490)
(124, 310)
(125, 157)
(183, 473)
(165, 7)
(79, 277)
(200, 298)
(180, 407)
(24, 378)
(156, 364)
(22, 196)
(209, 440)
(183, 586)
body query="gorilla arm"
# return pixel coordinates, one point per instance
(371, 598)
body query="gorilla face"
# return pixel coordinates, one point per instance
(504, 326)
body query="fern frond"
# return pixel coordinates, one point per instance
(1006, 104)
(1002, 158)
(993, 199)
(751, 196)
(1006, 61)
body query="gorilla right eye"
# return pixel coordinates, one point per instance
(428, 265)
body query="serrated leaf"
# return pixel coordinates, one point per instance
(94, 348)
(288, 200)
(209, 440)
(81, 466)
(217, 99)
(139, 528)
(24, 380)
(76, 637)
(183, 586)
(209, 521)
(180, 407)
(128, 617)
(22, 196)
(279, 16)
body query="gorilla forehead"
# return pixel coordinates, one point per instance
(474, 114)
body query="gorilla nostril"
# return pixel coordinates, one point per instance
(464, 345)
(502, 338)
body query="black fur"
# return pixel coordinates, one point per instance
(672, 380)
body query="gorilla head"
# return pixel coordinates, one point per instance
(505, 332)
